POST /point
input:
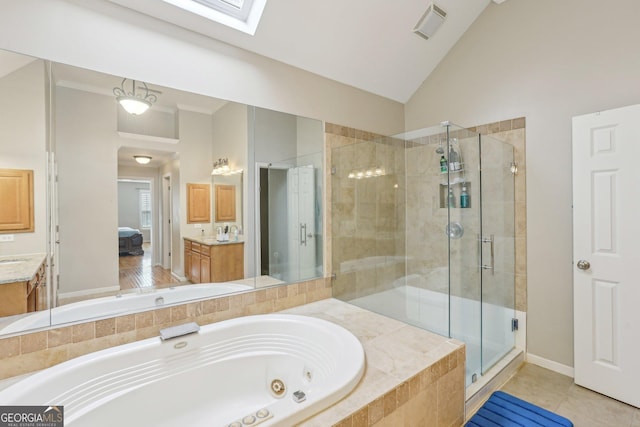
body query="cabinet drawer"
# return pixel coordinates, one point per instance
(196, 247)
(187, 245)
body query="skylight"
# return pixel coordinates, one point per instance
(242, 15)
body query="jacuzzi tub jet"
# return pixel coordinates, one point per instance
(278, 388)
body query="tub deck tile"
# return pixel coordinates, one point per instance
(397, 356)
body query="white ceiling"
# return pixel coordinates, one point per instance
(368, 44)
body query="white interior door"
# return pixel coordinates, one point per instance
(606, 250)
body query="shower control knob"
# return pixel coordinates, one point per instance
(584, 265)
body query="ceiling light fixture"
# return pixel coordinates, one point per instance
(143, 160)
(134, 102)
(430, 21)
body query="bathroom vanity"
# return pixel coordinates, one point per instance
(22, 278)
(209, 261)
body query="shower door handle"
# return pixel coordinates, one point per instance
(491, 241)
(303, 234)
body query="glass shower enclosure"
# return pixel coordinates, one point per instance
(423, 232)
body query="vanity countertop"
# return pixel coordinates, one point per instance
(211, 241)
(19, 268)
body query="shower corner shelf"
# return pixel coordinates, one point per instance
(455, 182)
(455, 171)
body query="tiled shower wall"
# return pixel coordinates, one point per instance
(367, 216)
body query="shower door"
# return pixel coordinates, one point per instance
(301, 219)
(497, 250)
(464, 231)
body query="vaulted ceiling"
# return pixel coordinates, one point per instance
(368, 44)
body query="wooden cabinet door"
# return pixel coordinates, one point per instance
(187, 263)
(205, 269)
(198, 203)
(16, 196)
(227, 262)
(225, 202)
(195, 267)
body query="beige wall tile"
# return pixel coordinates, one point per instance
(144, 319)
(9, 347)
(376, 410)
(162, 316)
(60, 336)
(105, 327)
(451, 398)
(390, 402)
(194, 309)
(125, 323)
(360, 418)
(178, 312)
(83, 332)
(30, 362)
(33, 342)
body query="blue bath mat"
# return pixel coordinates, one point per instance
(504, 410)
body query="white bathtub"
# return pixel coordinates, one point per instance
(460, 318)
(115, 305)
(212, 378)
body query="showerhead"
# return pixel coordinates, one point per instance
(440, 150)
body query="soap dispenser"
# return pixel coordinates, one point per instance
(464, 197)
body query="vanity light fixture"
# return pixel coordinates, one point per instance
(143, 160)
(135, 100)
(221, 167)
(367, 173)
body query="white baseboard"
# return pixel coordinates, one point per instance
(549, 364)
(88, 292)
(178, 277)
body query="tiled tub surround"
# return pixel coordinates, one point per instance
(412, 377)
(38, 350)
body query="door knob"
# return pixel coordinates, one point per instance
(583, 265)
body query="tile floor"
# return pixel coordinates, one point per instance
(559, 394)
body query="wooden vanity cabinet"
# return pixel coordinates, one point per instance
(22, 296)
(213, 263)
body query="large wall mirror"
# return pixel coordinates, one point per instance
(110, 196)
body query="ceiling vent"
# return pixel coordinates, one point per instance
(430, 22)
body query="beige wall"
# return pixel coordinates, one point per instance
(163, 54)
(196, 161)
(87, 159)
(22, 145)
(87, 154)
(547, 61)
